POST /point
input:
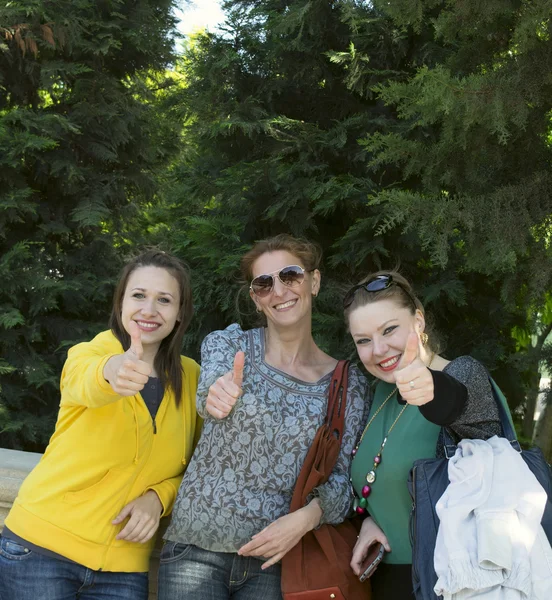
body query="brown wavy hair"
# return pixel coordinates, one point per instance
(167, 360)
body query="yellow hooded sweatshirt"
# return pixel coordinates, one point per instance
(103, 454)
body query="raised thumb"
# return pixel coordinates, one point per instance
(135, 340)
(411, 350)
(237, 370)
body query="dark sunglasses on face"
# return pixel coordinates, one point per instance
(376, 284)
(291, 276)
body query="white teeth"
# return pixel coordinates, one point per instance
(148, 325)
(390, 362)
(285, 304)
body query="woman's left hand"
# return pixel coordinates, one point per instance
(276, 540)
(144, 513)
(414, 380)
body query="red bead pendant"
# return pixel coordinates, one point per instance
(366, 491)
(360, 510)
(377, 459)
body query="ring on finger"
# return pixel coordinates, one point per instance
(411, 384)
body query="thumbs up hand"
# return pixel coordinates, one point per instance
(136, 347)
(226, 390)
(127, 373)
(414, 380)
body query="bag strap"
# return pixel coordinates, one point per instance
(334, 421)
(337, 399)
(506, 422)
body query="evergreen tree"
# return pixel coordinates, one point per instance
(270, 145)
(79, 143)
(472, 152)
(273, 109)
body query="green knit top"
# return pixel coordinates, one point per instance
(389, 502)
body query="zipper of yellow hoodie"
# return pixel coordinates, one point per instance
(114, 534)
(110, 542)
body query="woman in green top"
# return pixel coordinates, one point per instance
(418, 392)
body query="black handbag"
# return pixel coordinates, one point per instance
(428, 481)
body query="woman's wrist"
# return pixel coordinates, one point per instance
(155, 499)
(313, 512)
(110, 368)
(366, 524)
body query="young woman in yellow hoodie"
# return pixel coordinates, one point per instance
(84, 521)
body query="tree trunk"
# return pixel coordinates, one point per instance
(543, 432)
(528, 425)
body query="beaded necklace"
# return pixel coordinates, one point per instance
(361, 503)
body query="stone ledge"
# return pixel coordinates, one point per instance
(15, 466)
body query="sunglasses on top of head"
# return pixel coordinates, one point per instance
(376, 284)
(291, 276)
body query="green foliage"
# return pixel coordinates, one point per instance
(269, 144)
(386, 137)
(472, 156)
(79, 140)
(413, 133)
(474, 134)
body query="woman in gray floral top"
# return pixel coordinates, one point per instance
(263, 395)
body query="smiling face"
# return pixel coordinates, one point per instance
(152, 300)
(380, 330)
(285, 305)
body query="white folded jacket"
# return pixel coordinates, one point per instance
(490, 543)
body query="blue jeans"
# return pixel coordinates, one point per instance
(26, 575)
(187, 572)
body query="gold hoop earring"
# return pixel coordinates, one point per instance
(424, 338)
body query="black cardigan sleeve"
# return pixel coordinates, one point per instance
(480, 418)
(449, 399)
(463, 401)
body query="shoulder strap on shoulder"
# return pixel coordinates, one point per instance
(337, 398)
(506, 422)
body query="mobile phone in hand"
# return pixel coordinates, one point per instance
(372, 560)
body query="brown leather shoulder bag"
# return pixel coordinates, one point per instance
(318, 567)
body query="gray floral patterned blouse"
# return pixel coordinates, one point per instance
(243, 471)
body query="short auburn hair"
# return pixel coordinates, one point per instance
(308, 253)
